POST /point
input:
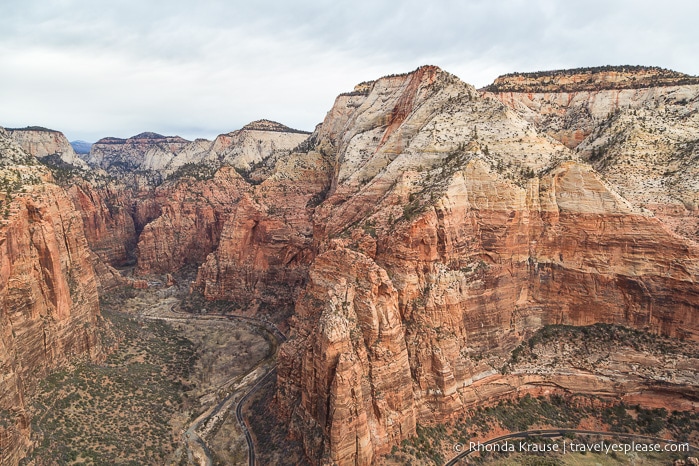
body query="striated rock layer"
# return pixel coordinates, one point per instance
(45, 143)
(266, 243)
(637, 126)
(261, 189)
(48, 291)
(452, 231)
(188, 228)
(355, 380)
(108, 219)
(420, 233)
(162, 156)
(172, 197)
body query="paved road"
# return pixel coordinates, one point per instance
(239, 407)
(196, 445)
(555, 433)
(241, 420)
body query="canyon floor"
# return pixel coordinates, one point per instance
(174, 377)
(166, 371)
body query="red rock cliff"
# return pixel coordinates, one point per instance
(266, 243)
(453, 235)
(48, 291)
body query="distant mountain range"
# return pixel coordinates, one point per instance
(81, 147)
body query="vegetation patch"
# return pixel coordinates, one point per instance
(124, 411)
(198, 171)
(434, 445)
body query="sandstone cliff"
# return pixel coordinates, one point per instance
(169, 196)
(266, 244)
(145, 151)
(191, 216)
(637, 126)
(48, 291)
(43, 143)
(354, 379)
(254, 143)
(195, 211)
(591, 79)
(105, 205)
(159, 157)
(478, 229)
(107, 218)
(569, 104)
(649, 155)
(422, 232)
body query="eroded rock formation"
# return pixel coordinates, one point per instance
(419, 234)
(43, 143)
(483, 230)
(48, 291)
(637, 127)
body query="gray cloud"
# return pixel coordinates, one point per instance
(93, 69)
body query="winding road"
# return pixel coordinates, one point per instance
(255, 378)
(239, 407)
(205, 424)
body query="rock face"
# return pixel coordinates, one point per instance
(355, 380)
(42, 143)
(591, 79)
(569, 104)
(254, 143)
(422, 232)
(453, 230)
(197, 209)
(107, 219)
(106, 206)
(266, 243)
(48, 291)
(171, 198)
(163, 156)
(637, 126)
(145, 151)
(192, 214)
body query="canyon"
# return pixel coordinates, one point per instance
(421, 233)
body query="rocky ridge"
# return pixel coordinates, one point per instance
(164, 156)
(590, 79)
(642, 139)
(145, 151)
(45, 143)
(485, 229)
(258, 176)
(267, 243)
(124, 200)
(48, 289)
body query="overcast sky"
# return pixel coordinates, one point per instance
(92, 68)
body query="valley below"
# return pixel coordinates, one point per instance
(432, 265)
(169, 390)
(152, 400)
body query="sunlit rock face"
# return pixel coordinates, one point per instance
(637, 126)
(454, 228)
(48, 290)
